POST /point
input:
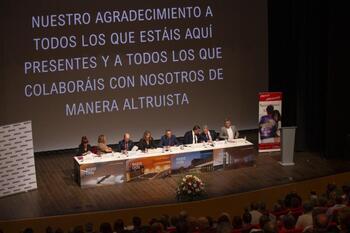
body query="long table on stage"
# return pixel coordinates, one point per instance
(114, 168)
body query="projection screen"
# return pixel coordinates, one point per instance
(79, 68)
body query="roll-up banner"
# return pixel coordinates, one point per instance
(270, 109)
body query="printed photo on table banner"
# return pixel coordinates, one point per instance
(148, 168)
(199, 161)
(98, 174)
(233, 157)
(270, 109)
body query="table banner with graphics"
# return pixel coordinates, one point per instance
(154, 166)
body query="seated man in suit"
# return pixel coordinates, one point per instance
(126, 144)
(168, 139)
(192, 136)
(207, 135)
(228, 131)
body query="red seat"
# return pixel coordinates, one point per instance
(296, 212)
(237, 231)
(280, 213)
(295, 230)
(171, 229)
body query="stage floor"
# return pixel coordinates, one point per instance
(58, 193)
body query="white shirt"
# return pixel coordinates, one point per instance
(194, 138)
(304, 220)
(230, 133)
(209, 136)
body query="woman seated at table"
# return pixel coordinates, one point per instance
(84, 146)
(146, 142)
(102, 144)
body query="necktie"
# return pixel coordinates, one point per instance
(126, 146)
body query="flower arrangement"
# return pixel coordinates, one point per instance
(190, 188)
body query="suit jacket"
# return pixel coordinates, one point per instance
(172, 141)
(188, 137)
(203, 137)
(143, 144)
(224, 134)
(122, 145)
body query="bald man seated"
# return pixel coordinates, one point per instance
(126, 144)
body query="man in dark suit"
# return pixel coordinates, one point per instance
(168, 139)
(192, 136)
(126, 144)
(207, 135)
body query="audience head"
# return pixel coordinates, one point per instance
(330, 188)
(183, 215)
(224, 227)
(254, 206)
(28, 230)
(164, 219)
(295, 202)
(321, 222)
(59, 230)
(89, 227)
(78, 229)
(192, 224)
(308, 207)
(196, 129)
(181, 227)
(346, 190)
(210, 221)
(119, 225)
(263, 220)
(102, 139)
(157, 227)
(237, 222)
(174, 220)
(339, 200)
(322, 201)
(246, 217)
(277, 207)
(224, 217)
(153, 220)
(49, 229)
(106, 228)
(262, 207)
(288, 221)
(203, 224)
(136, 221)
(270, 227)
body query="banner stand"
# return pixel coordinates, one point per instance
(270, 121)
(288, 141)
